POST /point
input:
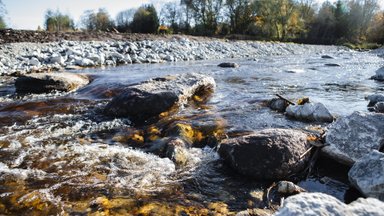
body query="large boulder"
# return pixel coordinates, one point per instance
(149, 99)
(352, 137)
(267, 154)
(323, 204)
(47, 82)
(309, 112)
(379, 76)
(367, 175)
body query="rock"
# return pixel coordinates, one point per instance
(379, 76)
(379, 107)
(85, 62)
(323, 204)
(295, 71)
(228, 65)
(327, 57)
(149, 99)
(57, 59)
(34, 62)
(375, 98)
(47, 82)
(352, 137)
(309, 112)
(278, 104)
(176, 150)
(287, 187)
(267, 154)
(367, 175)
(332, 65)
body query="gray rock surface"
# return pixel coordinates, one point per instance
(266, 154)
(379, 107)
(379, 76)
(148, 99)
(47, 82)
(315, 204)
(367, 175)
(352, 137)
(228, 65)
(375, 98)
(309, 112)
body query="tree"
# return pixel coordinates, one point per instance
(124, 20)
(170, 15)
(145, 20)
(375, 32)
(240, 15)
(100, 21)
(2, 14)
(56, 21)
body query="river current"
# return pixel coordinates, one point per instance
(60, 155)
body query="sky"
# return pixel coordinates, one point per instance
(29, 14)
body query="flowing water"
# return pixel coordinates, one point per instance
(60, 155)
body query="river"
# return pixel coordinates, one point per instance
(59, 153)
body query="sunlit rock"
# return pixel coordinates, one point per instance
(323, 204)
(350, 138)
(367, 175)
(267, 154)
(47, 82)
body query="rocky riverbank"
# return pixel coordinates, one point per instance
(28, 57)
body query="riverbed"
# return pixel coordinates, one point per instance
(60, 154)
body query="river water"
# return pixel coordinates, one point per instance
(59, 154)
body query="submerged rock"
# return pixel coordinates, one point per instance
(323, 204)
(47, 82)
(267, 154)
(332, 65)
(367, 175)
(149, 99)
(352, 137)
(278, 104)
(228, 65)
(309, 112)
(375, 98)
(327, 57)
(379, 107)
(379, 76)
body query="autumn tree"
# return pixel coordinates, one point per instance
(2, 14)
(240, 15)
(375, 32)
(97, 21)
(124, 20)
(56, 21)
(145, 20)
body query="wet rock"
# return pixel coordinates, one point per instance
(266, 154)
(375, 98)
(332, 65)
(327, 57)
(323, 204)
(379, 76)
(278, 104)
(379, 107)
(352, 137)
(228, 65)
(367, 175)
(176, 150)
(287, 187)
(309, 112)
(47, 82)
(151, 98)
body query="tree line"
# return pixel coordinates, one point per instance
(352, 21)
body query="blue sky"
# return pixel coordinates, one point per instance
(29, 14)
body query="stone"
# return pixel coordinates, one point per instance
(375, 98)
(278, 104)
(34, 62)
(176, 150)
(323, 204)
(379, 107)
(379, 76)
(149, 99)
(352, 137)
(268, 154)
(367, 175)
(332, 65)
(309, 112)
(228, 65)
(47, 82)
(327, 57)
(85, 62)
(57, 59)
(295, 70)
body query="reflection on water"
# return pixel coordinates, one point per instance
(60, 154)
